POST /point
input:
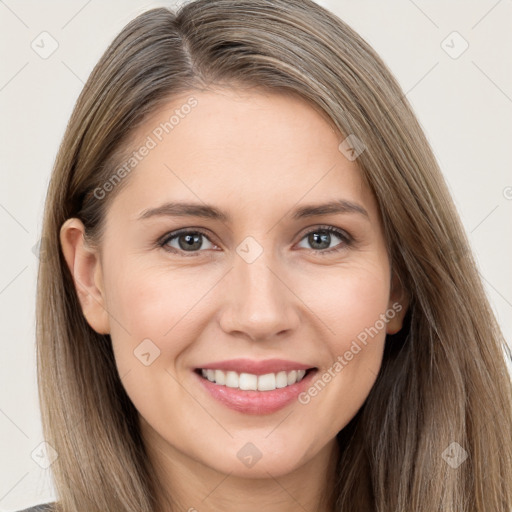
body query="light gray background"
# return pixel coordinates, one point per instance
(464, 105)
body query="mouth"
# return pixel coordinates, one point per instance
(251, 393)
(252, 382)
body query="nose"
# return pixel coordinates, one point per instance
(260, 302)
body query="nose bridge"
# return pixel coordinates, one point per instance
(259, 302)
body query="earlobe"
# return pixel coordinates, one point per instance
(397, 307)
(85, 267)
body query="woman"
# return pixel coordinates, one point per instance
(197, 348)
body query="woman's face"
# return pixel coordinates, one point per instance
(253, 278)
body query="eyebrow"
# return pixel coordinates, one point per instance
(179, 209)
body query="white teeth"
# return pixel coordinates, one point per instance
(220, 378)
(231, 379)
(292, 377)
(249, 381)
(267, 382)
(281, 380)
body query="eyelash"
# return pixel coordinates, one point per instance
(347, 240)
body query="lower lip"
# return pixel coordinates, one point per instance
(256, 402)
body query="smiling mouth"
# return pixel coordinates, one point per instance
(252, 382)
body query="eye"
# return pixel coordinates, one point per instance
(187, 241)
(321, 238)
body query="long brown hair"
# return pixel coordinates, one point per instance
(443, 389)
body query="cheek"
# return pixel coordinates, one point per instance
(361, 302)
(153, 322)
(353, 306)
(348, 301)
(163, 306)
(360, 323)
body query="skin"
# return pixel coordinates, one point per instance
(256, 156)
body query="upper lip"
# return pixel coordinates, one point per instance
(256, 367)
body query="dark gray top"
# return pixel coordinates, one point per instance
(46, 507)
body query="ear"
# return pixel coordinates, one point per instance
(85, 266)
(398, 302)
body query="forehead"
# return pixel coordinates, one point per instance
(243, 148)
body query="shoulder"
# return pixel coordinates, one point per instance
(47, 507)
